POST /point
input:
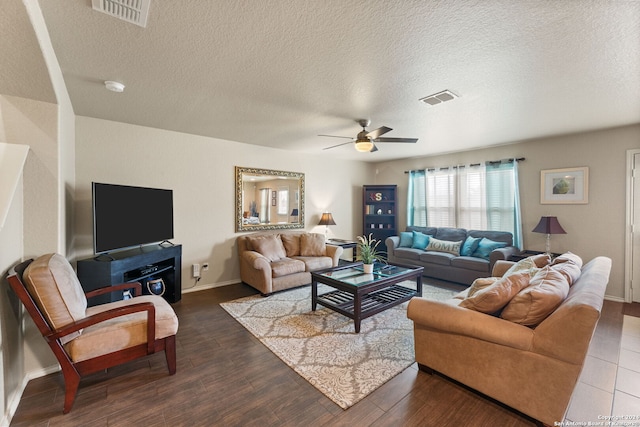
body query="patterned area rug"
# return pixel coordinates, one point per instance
(322, 346)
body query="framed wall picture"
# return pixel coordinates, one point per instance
(564, 186)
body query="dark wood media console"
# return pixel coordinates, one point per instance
(135, 265)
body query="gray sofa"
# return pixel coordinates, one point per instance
(449, 266)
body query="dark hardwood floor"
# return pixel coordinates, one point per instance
(227, 377)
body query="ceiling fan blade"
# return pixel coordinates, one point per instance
(373, 149)
(377, 132)
(335, 136)
(334, 146)
(396, 140)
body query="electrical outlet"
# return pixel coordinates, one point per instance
(196, 270)
(205, 266)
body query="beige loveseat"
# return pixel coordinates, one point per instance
(533, 368)
(273, 261)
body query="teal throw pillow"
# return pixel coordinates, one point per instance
(420, 240)
(486, 246)
(406, 239)
(470, 245)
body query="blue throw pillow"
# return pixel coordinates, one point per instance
(486, 246)
(470, 245)
(406, 239)
(420, 240)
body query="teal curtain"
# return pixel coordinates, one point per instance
(503, 199)
(417, 199)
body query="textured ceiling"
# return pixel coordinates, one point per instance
(280, 72)
(23, 72)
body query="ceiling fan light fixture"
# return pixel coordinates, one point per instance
(364, 145)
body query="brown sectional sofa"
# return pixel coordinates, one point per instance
(532, 369)
(458, 268)
(276, 260)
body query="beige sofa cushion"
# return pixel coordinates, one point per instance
(495, 296)
(569, 265)
(546, 291)
(286, 266)
(56, 291)
(531, 265)
(270, 246)
(312, 244)
(124, 331)
(479, 284)
(291, 242)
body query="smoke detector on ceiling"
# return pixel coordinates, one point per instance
(114, 86)
(438, 98)
(132, 11)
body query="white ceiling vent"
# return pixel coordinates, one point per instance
(438, 98)
(133, 11)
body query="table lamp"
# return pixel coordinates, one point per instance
(549, 225)
(326, 219)
(294, 212)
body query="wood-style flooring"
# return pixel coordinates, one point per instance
(226, 377)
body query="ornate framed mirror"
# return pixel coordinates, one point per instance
(269, 199)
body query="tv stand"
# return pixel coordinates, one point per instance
(135, 265)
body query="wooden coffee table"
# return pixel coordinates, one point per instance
(358, 295)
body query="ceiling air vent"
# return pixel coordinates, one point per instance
(438, 98)
(133, 11)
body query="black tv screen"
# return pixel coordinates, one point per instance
(126, 216)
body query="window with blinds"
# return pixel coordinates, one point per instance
(478, 197)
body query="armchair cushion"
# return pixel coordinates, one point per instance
(270, 246)
(57, 292)
(312, 244)
(121, 332)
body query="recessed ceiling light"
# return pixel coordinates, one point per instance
(114, 86)
(438, 98)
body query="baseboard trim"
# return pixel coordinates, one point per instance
(16, 396)
(203, 287)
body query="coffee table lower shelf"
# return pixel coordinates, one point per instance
(372, 303)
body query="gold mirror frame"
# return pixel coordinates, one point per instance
(245, 221)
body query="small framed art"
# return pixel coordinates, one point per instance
(564, 186)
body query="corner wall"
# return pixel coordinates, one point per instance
(596, 228)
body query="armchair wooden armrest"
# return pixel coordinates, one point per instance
(112, 314)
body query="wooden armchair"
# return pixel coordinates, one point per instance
(88, 340)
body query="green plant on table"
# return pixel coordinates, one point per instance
(368, 250)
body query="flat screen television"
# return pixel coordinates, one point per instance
(125, 216)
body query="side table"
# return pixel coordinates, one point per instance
(527, 253)
(345, 244)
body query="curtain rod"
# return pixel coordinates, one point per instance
(493, 162)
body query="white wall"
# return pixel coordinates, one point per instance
(596, 228)
(200, 171)
(11, 352)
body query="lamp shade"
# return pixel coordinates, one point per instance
(294, 212)
(326, 219)
(549, 225)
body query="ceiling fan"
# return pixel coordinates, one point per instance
(365, 140)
